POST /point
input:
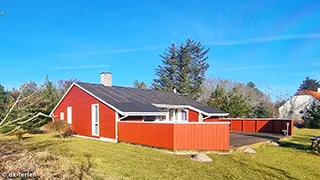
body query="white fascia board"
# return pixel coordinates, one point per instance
(75, 84)
(65, 94)
(189, 107)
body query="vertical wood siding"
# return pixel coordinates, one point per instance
(150, 134)
(259, 125)
(81, 103)
(193, 116)
(201, 136)
(176, 136)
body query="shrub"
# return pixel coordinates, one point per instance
(61, 127)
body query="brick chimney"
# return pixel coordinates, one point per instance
(106, 78)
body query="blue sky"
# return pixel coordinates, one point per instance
(276, 44)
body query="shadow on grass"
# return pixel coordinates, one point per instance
(293, 145)
(306, 148)
(280, 171)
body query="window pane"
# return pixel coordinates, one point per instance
(96, 113)
(184, 115)
(96, 129)
(171, 115)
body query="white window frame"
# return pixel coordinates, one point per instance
(69, 115)
(177, 115)
(93, 119)
(61, 115)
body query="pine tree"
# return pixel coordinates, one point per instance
(261, 111)
(309, 84)
(218, 98)
(167, 73)
(183, 68)
(49, 95)
(137, 84)
(237, 105)
(3, 100)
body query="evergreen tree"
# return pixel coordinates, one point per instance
(167, 72)
(3, 100)
(309, 84)
(137, 84)
(218, 98)
(261, 111)
(237, 105)
(312, 116)
(49, 95)
(183, 68)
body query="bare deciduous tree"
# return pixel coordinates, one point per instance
(18, 112)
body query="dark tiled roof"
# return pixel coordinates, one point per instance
(129, 99)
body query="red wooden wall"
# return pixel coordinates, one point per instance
(193, 116)
(257, 125)
(81, 103)
(184, 136)
(201, 136)
(150, 134)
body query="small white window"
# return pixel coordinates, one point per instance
(62, 116)
(69, 115)
(95, 119)
(184, 115)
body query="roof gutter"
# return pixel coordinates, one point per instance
(125, 116)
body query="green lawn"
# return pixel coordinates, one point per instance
(293, 160)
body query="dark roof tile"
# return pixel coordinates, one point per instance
(129, 99)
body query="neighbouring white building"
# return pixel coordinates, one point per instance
(297, 105)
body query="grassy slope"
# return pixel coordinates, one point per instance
(293, 160)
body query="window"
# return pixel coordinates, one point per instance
(62, 116)
(178, 115)
(69, 115)
(184, 115)
(171, 114)
(149, 118)
(95, 119)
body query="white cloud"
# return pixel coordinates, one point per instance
(265, 67)
(266, 39)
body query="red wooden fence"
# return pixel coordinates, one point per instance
(176, 136)
(257, 125)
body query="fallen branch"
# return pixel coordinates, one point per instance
(34, 117)
(13, 106)
(15, 129)
(16, 120)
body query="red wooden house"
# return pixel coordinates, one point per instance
(142, 116)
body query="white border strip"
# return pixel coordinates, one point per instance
(98, 139)
(163, 122)
(255, 119)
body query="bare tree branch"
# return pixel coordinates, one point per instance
(14, 105)
(16, 120)
(13, 130)
(34, 117)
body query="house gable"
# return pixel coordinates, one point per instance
(81, 102)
